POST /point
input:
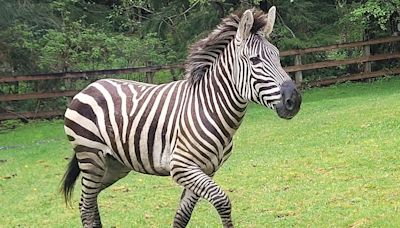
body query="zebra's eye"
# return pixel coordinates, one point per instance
(255, 60)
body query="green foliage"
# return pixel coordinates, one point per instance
(367, 19)
(76, 43)
(378, 11)
(19, 48)
(77, 35)
(301, 24)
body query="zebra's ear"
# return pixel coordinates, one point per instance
(270, 21)
(245, 24)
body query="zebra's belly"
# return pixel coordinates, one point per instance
(149, 157)
(157, 161)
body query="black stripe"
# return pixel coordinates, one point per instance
(101, 101)
(81, 131)
(129, 105)
(139, 129)
(153, 127)
(81, 148)
(83, 109)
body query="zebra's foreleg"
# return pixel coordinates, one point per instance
(186, 206)
(195, 180)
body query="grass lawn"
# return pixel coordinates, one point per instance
(336, 164)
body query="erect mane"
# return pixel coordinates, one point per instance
(203, 53)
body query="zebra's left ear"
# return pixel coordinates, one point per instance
(270, 21)
(245, 24)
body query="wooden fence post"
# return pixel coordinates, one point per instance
(173, 73)
(68, 84)
(367, 52)
(298, 77)
(150, 77)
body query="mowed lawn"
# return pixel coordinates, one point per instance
(336, 164)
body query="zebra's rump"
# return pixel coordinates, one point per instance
(134, 122)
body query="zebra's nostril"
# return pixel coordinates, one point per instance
(289, 104)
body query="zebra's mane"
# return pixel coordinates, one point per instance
(203, 53)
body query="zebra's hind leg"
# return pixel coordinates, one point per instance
(186, 206)
(99, 171)
(195, 180)
(92, 174)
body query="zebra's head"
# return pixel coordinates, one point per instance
(259, 75)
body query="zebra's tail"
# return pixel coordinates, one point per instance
(69, 178)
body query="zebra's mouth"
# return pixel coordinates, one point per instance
(290, 102)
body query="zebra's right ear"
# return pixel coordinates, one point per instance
(245, 24)
(270, 21)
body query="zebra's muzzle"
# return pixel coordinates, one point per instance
(290, 102)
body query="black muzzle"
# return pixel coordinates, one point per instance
(290, 102)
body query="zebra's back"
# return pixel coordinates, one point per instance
(134, 122)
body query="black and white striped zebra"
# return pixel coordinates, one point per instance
(182, 129)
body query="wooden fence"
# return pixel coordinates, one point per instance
(297, 69)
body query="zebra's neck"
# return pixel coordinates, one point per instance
(217, 97)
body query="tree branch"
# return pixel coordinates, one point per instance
(143, 8)
(184, 12)
(287, 27)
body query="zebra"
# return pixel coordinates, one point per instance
(182, 129)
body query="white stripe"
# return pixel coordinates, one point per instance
(82, 121)
(89, 100)
(111, 116)
(79, 140)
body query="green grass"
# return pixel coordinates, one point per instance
(336, 164)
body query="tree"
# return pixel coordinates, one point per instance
(369, 18)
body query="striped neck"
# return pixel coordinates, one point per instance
(218, 96)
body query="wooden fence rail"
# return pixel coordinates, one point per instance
(367, 59)
(87, 74)
(389, 39)
(332, 63)
(297, 69)
(354, 77)
(28, 96)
